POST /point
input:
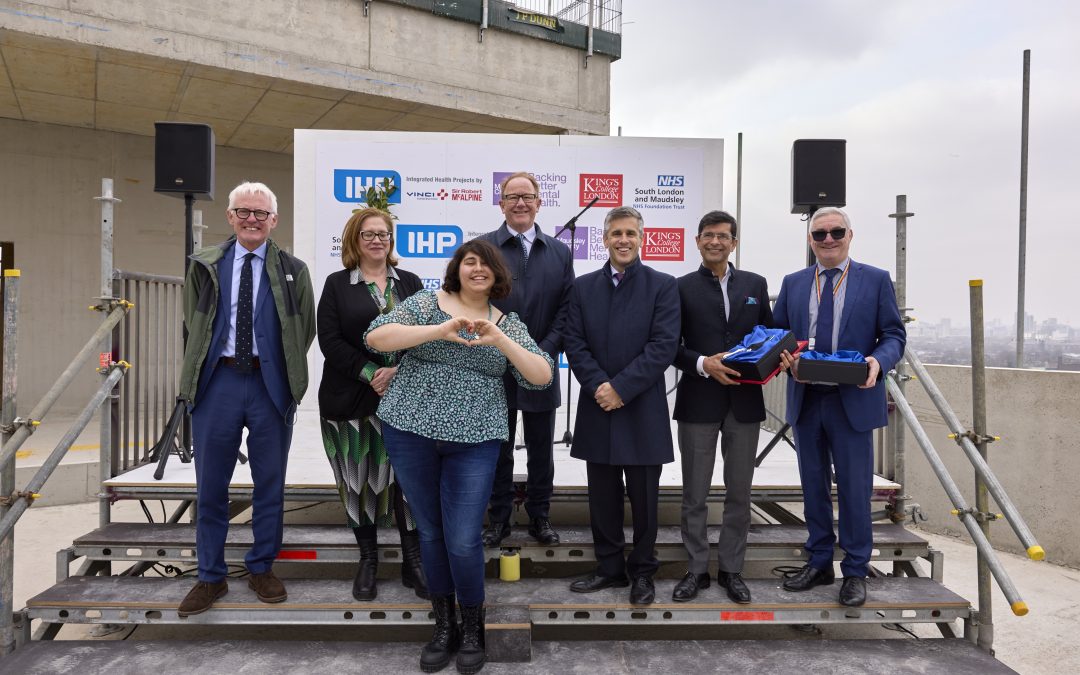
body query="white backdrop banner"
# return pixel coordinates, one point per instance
(448, 193)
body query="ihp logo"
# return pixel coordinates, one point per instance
(671, 181)
(428, 241)
(351, 185)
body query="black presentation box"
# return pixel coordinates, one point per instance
(840, 372)
(763, 370)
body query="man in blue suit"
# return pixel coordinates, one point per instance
(838, 304)
(622, 332)
(250, 317)
(543, 274)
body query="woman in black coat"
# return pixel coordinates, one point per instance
(353, 382)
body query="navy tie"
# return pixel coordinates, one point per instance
(244, 306)
(823, 338)
(524, 254)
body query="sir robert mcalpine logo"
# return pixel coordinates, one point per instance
(663, 243)
(351, 185)
(605, 186)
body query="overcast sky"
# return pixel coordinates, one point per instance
(928, 96)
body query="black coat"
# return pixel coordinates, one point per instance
(705, 332)
(344, 314)
(539, 297)
(626, 336)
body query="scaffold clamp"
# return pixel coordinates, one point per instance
(16, 496)
(30, 424)
(109, 304)
(974, 437)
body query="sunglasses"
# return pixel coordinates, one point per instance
(837, 233)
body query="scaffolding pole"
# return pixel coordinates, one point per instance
(7, 469)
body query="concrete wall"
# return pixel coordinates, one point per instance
(396, 52)
(49, 177)
(1037, 460)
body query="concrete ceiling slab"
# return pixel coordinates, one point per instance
(219, 99)
(63, 82)
(50, 72)
(347, 116)
(261, 137)
(126, 118)
(54, 109)
(118, 83)
(279, 109)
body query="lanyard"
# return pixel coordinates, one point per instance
(836, 286)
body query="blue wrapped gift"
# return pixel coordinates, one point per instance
(757, 356)
(843, 367)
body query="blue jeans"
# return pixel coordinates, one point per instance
(447, 486)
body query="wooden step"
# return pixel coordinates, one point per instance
(327, 543)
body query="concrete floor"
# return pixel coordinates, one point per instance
(1044, 641)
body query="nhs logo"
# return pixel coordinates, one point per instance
(351, 185)
(428, 241)
(671, 181)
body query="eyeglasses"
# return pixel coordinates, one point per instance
(719, 236)
(837, 233)
(259, 214)
(527, 198)
(368, 235)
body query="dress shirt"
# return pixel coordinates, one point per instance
(727, 315)
(257, 264)
(529, 237)
(838, 300)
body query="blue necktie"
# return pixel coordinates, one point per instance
(524, 254)
(823, 337)
(244, 306)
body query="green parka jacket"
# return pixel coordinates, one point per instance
(290, 284)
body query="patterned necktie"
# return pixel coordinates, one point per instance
(823, 338)
(245, 304)
(524, 253)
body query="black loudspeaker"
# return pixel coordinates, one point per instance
(184, 159)
(818, 174)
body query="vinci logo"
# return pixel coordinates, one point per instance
(351, 185)
(606, 186)
(663, 243)
(428, 241)
(671, 181)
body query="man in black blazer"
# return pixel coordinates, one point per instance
(543, 274)
(719, 306)
(622, 331)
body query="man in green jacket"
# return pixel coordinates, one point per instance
(250, 315)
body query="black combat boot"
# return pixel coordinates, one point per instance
(363, 587)
(412, 572)
(471, 656)
(436, 654)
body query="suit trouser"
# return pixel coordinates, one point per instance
(606, 517)
(738, 447)
(231, 402)
(539, 432)
(823, 431)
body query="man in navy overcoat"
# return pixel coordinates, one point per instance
(543, 273)
(839, 305)
(622, 331)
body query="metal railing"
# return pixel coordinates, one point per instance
(605, 14)
(153, 338)
(15, 430)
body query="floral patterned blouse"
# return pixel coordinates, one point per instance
(449, 391)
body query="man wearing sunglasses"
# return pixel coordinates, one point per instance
(543, 273)
(250, 316)
(838, 305)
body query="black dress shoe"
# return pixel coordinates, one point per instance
(597, 582)
(853, 592)
(642, 592)
(687, 589)
(540, 529)
(808, 577)
(736, 587)
(495, 533)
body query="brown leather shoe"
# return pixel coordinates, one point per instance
(267, 586)
(201, 597)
